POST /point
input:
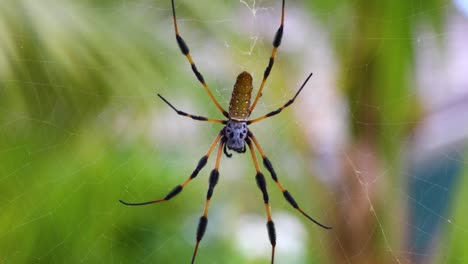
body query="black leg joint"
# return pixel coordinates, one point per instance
(261, 183)
(174, 192)
(200, 166)
(198, 74)
(201, 228)
(268, 69)
(288, 103)
(173, 8)
(213, 181)
(277, 111)
(271, 232)
(267, 164)
(278, 37)
(290, 199)
(183, 47)
(201, 118)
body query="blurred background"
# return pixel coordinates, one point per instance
(375, 146)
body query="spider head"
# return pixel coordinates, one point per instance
(235, 133)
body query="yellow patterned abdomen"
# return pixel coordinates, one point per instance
(240, 98)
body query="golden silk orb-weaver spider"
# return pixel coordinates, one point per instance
(234, 136)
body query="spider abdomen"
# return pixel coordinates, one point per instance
(240, 98)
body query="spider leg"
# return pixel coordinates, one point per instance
(199, 118)
(185, 50)
(179, 187)
(276, 44)
(214, 176)
(277, 111)
(286, 194)
(261, 183)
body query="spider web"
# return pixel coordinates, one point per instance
(82, 127)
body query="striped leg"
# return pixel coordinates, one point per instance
(179, 187)
(185, 50)
(204, 218)
(277, 111)
(276, 43)
(199, 118)
(286, 194)
(261, 183)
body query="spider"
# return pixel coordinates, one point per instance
(235, 135)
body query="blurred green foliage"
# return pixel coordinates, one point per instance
(375, 44)
(78, 82)
(78, 110)
(457, 238)
(68, 71)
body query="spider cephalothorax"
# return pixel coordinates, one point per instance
(235, 135)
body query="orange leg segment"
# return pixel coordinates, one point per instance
(186, 51)
(276, 44)
(180, 187)
(212, 183)
(261, 183)
(286, 194)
